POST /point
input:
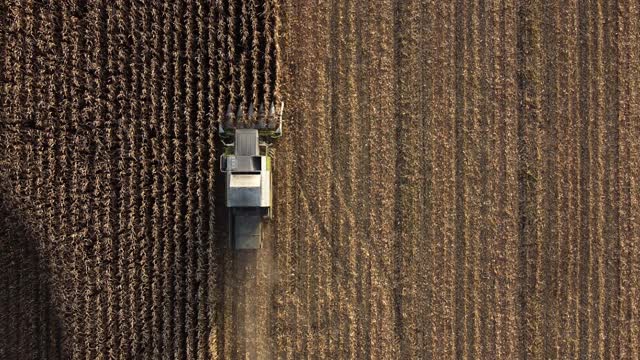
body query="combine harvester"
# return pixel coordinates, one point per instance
(247, 162)
(249, 113)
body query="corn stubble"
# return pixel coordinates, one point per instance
(457, 179)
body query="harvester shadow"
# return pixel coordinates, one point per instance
(29, 323)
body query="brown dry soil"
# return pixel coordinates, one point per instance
(457, 179)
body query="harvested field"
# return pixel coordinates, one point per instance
(457, 179)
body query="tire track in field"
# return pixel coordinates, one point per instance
(565, 115)
(610, 270)
(635, 331)
(382, 160)
(343, 140)
(507, 344)
(550, 146)
(469, 179)
(611, 196)
(530, 170)
(284, 206)
(362, 250)
(381, 205)
(496, 155)
(350, 118)
(629, 71)
(596, 149)
(440, 193)
(410, 170)
(460, 247)
(584, 166)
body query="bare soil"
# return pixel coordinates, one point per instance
(457, 179)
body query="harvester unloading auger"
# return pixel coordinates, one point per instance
(247, 162)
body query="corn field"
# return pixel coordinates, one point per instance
(456, 179)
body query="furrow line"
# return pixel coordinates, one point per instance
(205, 129)
(34, 270)
(193, 179)
(95, 23)
(269, 50)
(231, 82)
(365, 115)
(277, 68)
(244, 41)
(410, 173)
(122, 249)
(566, 160)
(611, 295)
(507, 327)
(69, 336)
(623, 183)
(87, 117)
(596, 205)
(74, 209)
(529, 118)
(352, 122)
(14, 68)
(147, 207)
(461, 326)
(284, 206)
(551, 248)
(473, 171)
(179, 180)
(136, 135)
(630, 130)
(335, 106)
(537, 133)
(152, 141)
(42, 124)
(53, 90)
(440, 194)
(584, 114)
(214, 300)
(28, 283)
(15, 123)
(83, 115)
(109, 201)
(634, 183)
(256, 40)
(220, 52)
(361, 178)
(490, 186)
(167, 136)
